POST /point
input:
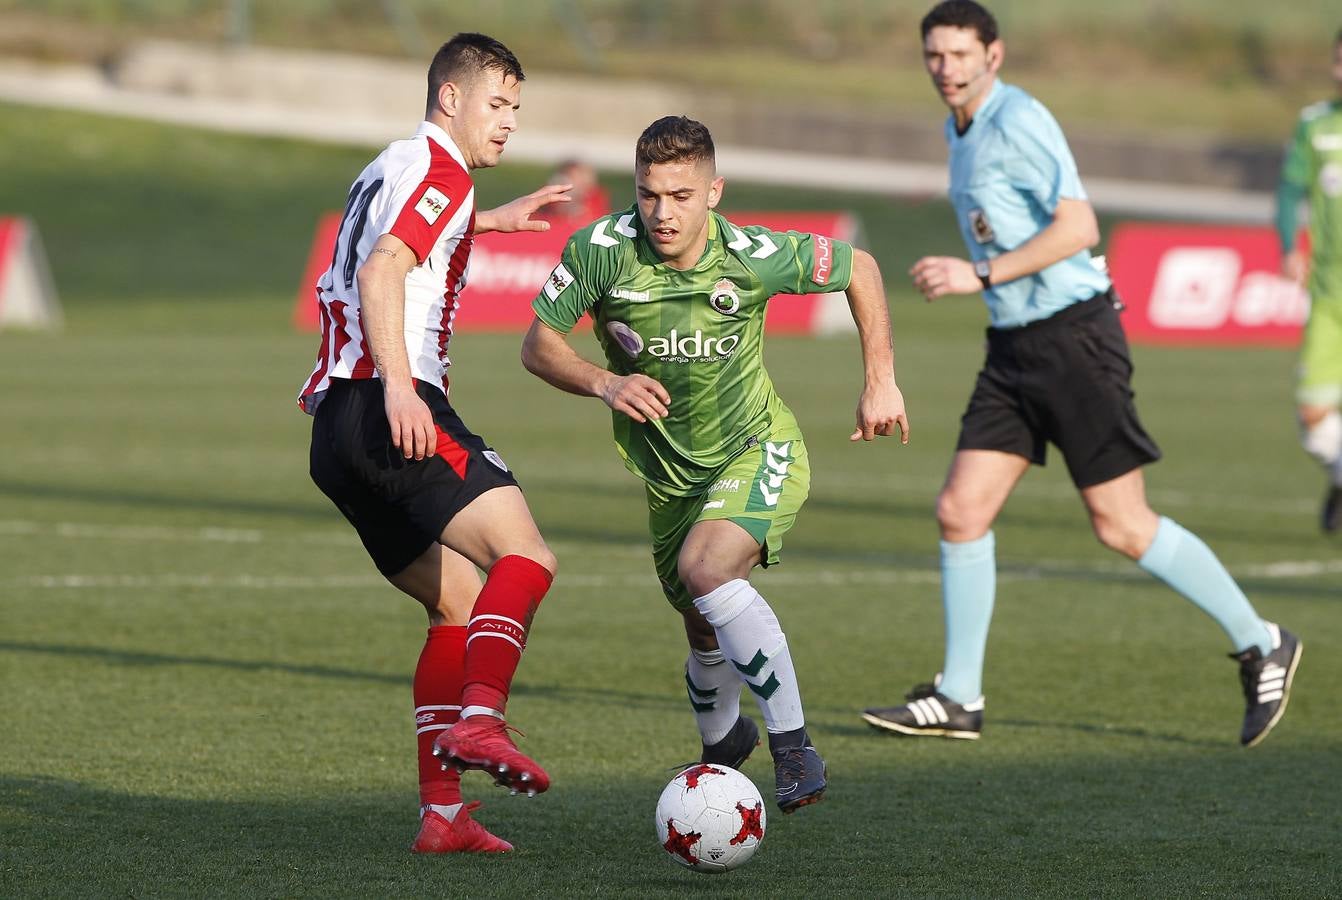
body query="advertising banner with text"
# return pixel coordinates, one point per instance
(1204, 284)
(507, 271)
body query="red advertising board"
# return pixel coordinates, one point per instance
(1204, 284)
(507, 270)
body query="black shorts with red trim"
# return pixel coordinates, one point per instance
(1065, 380)
(399, 506)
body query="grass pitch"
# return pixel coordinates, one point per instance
(207, 686)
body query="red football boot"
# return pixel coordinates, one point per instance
(482, 742)
(465, 835)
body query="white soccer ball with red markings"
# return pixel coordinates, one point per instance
(710, 818)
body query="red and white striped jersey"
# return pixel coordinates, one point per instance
(420, 191)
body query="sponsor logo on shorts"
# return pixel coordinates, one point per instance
(980, 227)
(431, 204)
(495, 459)
(724, 297)
(726, 486)
(715, 504)
(558, 282)
(630, 341)
(777, 461)
(824, 252)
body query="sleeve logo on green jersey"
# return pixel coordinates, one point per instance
(766, 247)
(558, 282)
(824, 256)
(724, 297)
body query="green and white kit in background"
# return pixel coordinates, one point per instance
(729, 448)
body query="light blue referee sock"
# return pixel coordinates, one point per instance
(968, 584)
(1181, 560)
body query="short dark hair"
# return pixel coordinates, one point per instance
(674, 139)
(962, 14)
(466, 55)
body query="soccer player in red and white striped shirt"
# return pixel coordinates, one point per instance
(431, 500)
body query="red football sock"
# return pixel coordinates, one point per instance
(437, 694)
(497, 632)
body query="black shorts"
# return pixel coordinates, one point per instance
(399, 506)
(1067, 380)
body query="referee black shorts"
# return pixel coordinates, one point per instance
(1065, 380)
(399, 506)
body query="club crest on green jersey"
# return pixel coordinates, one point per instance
(724, 297)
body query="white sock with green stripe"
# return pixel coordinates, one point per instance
(754, 643)
(715, 693)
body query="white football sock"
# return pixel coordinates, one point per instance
(446, 810)
(715, 693)
(749, 633)
(1323, 441)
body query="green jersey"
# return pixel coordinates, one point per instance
(1313, 166)
(699, 332)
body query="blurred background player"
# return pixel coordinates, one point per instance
(678, 295)
(1057, 371)
(1312, 171)
(429, 499)
(587, 198)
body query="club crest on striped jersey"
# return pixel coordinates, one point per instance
(432, 204)
(724, 297)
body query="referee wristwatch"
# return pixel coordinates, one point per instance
(983, 268)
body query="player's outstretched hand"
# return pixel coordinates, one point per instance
(1295, 266)
(937, 276)
(880, 410)
(516, 215)
(411, 423)
(637, 396)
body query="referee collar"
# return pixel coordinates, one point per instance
(989, 103)
(439, 136)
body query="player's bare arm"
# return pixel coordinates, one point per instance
(382, 296)
(516, 215)
(1295, 265)
(1072, 230)
(880, 408)
(547, 354)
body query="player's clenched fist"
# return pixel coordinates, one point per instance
(637, 396)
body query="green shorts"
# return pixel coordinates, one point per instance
(761, 490)
(1320, 376)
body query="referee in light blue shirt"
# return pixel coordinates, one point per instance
(1057, 372)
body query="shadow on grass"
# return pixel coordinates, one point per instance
(136, 658)
(1169, 821)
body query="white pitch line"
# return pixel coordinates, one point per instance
(1287, 569)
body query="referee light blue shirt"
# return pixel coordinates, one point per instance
(1008, 172)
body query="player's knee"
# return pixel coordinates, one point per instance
(960, 519)
(1120, 535)
(542, 555)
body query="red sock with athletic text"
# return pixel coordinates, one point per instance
(437, 694)
(497, 632)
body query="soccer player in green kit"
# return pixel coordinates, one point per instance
(1312, 170)
(677, 294)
